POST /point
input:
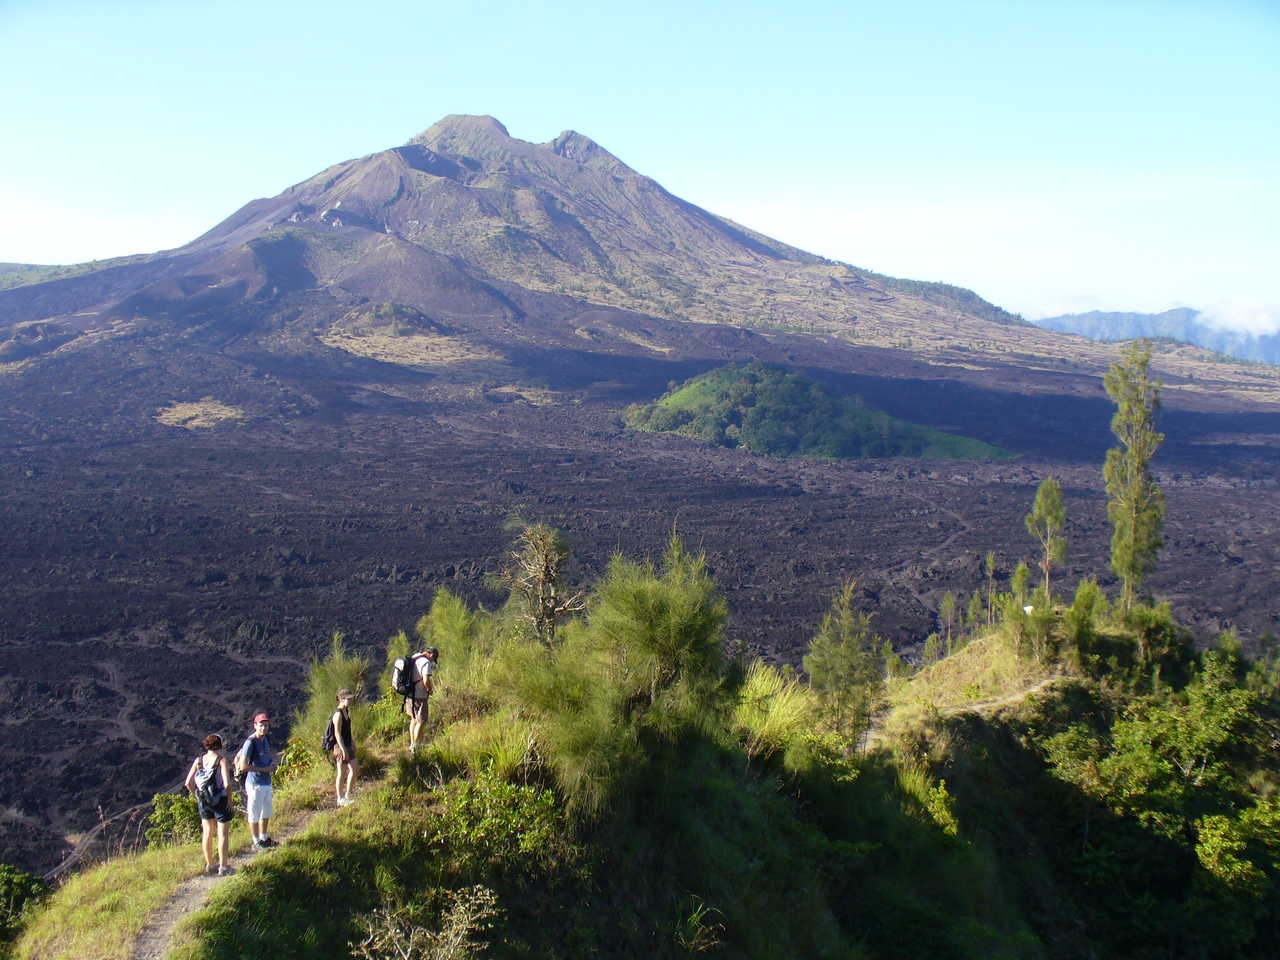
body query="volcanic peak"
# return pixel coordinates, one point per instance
(574, 146)
(485, 139)
(463, 125)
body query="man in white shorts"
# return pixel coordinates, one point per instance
(424, 666)
(259, 760)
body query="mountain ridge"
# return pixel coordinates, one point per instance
(566, 218)
(1183, 324)
(546, 216)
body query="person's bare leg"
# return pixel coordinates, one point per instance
(223, 845)
(351, 778)
(337, 780)
(206, 840)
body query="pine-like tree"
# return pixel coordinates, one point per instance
(932, 650)
(947, 613)
(991, 588)
(845, 664)
(973, 612)
(1045, 522)
(1136, 505)
(1018, 585)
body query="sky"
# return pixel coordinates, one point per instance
(1052, 155)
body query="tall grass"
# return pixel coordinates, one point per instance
(97, 914)
(325, 677)
(773, 712)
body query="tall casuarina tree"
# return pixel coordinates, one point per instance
(1136, 505)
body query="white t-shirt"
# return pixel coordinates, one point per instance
(423, 667)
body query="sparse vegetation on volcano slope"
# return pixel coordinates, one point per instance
(773, 413)
(658, 798)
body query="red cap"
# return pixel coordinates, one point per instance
(261, 716)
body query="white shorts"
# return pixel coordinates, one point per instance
(257, 802)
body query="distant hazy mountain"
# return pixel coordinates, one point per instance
(1182, 324)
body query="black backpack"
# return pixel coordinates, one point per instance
(330, 739)
(403, 675)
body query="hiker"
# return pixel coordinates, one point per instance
(257, 760)
(344, 747)
(208, 781)
(424, 663)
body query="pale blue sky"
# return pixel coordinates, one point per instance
(1049, 155)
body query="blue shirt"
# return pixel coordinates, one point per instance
(257, 751)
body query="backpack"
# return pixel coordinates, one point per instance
(238, 769)
(330, 738)
(210, 789)
(403, 676)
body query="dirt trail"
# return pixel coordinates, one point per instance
(983, 706)
(875, 735)
(156, 938)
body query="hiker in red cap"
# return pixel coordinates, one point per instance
(258, 761)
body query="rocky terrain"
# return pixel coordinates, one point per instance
(315, 415)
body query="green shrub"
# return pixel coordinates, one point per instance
(397, 932)
(501, 742)
(384, 720)
(19, 892)
(488, 824)
(174, 819)
(297, 759)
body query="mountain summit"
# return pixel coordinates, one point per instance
(436, 223)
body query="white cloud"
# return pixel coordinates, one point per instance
(1250, 316)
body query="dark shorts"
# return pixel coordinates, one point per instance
(337, 753)
(417, 709)
(220, 811)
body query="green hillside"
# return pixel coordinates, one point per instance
(1069, 782)
(771, 412)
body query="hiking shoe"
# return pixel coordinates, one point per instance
(226, 871)
(344, 801)
(211, 869)
(259, 845)
(268, 843)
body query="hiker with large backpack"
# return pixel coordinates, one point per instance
(411, 677)
(341, 745)
(209, 781)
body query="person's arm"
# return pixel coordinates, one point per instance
(270, 767)
(190, 782)
(247, 752)
(226, 771)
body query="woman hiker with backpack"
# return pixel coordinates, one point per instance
(339, 742)
(208, 781)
